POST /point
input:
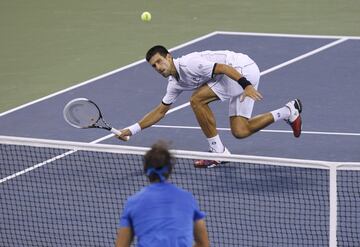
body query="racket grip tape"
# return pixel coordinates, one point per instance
(118, 132)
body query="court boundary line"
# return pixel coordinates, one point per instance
(307, 36)
(172, 49)
(263, 130)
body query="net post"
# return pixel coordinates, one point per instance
(333, 205)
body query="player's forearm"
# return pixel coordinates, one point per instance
(200, 234)
(124, 237)
(233, 74)
(150, 119)
(154, 116)
(228, 71)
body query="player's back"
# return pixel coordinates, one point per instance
(226, 57)
(163, 215)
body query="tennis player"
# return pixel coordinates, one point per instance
(214, 75)
(161, 214)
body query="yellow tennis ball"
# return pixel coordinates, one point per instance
(146, 16)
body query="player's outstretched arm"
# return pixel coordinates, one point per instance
(154, 116)
(148, 120)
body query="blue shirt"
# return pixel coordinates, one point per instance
(162, 215)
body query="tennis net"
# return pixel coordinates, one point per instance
(56, 193)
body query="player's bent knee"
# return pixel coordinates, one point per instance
(195, 102)
(240, 127)
(240, 134)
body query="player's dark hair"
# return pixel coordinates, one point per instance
(156, 49)
(158, 162)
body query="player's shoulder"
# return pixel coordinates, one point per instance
(180, 191)
(192, 62)
(206, 52)
(188, 58)
(137, 196)
(194, 58)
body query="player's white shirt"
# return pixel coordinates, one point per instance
(196, 69)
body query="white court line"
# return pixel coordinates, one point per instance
(173, 110)
(36, 166)
(269, 131)
(101, 76)
(306, 36)
(296, 59)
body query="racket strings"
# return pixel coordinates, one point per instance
(82, 114)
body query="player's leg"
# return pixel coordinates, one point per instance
(241, 123)
(243, 126)
(199, 102)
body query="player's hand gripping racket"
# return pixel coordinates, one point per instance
(83, 113)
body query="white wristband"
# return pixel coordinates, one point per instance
(135, 128)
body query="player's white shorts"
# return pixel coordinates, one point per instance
(228, 89)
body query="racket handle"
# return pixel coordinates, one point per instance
(118, 132)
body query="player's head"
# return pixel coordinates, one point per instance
(161, 50)
(161, 60)
(158, 162)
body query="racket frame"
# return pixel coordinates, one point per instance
(106, 126)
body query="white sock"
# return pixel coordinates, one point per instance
(215, 144)
(282, 113)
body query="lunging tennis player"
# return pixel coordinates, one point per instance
(215, 75)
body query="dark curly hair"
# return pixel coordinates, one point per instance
(156, 49)
(158, 162)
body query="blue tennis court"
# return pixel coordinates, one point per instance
(80, 194)
(320, 70)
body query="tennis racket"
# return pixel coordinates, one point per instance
(83, 113)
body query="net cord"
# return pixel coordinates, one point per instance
(68, 145)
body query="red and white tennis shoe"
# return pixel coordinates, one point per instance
(210, 163)
(294, 120)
